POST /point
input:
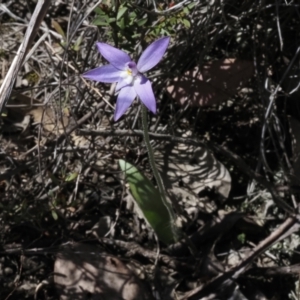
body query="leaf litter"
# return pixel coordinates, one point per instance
(223, 185)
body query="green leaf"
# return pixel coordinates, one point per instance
(121, 23)
(121, 12)
(186, 11)
(58, 28)
(76, 46)
(157, 31)
(54, 215)
(150, 202)
(101, 21)
(132, 15)
(191, 5)
(99, 11)
(111, 20)
(142, 22)
(242, 238)
(186, 23)
(136, 35)
(71, 177)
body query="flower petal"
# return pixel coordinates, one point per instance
(125, 98)
(108, 74)
(153, 54)
(116, 57)
(122, 83)
(144, 90)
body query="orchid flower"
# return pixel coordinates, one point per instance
(128, 74)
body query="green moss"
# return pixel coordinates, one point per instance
(32, 77)
(3, 53)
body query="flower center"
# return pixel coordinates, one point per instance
(131, 73)
(132, 69)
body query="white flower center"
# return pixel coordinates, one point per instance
(131, 73)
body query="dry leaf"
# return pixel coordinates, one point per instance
(53, 118)
(50, 119)
(214, 83)
(193, 169)
(82, 272)
(48, 116)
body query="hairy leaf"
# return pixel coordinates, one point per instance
(150, 203)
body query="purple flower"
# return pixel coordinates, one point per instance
(128, 74)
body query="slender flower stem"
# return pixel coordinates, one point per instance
(176, 232)
(156, 174)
